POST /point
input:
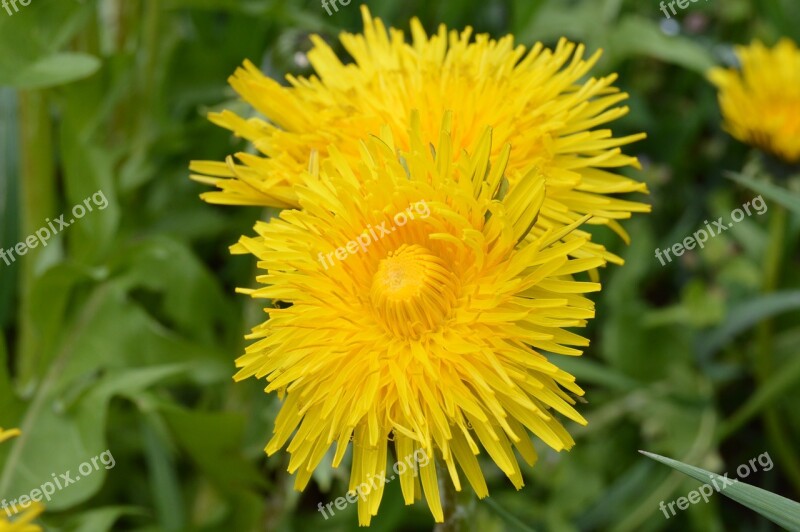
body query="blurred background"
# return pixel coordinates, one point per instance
(121, 334)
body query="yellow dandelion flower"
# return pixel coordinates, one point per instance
(23, 521)
(761, 102)
(538, 101)
(419, 311)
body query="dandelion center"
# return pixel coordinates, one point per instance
(412, 291)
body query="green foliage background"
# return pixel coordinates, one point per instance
(121, 334)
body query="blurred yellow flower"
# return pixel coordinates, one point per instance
(8, 434)
(761, 102)
(427, 328)
(23, 521)
(539, 101)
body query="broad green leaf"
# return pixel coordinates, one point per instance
(56, 69)
(88, 175)
(113, 347)
(635, 36)
(552, 22)
(32, 39)
(80, 433)
(213, 440)
(780, 510)
(188, 293)
(49, 299)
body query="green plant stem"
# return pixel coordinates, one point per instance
(38, 202)
(457, 507)
(507, 516)
(763, 360)
(448, 494)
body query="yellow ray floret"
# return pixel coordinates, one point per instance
(23, 521)
(761, 101)
(7, 434)
(537, 100)
(417, 304)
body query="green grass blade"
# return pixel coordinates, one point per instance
(785, 379)
(743, 316)
(780, 510)
(779, 195)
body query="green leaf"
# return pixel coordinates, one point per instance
(779, 195)
(88, 169)
(56, 69)
(213, 441)
(94, 364)
(780, 510)
(35, 35)
(163, 475)
(551, 21)
(9, 205)
(637, 35)
(101, 519)
(524, 11)
(80, 431)
(191, 297)
(588, 371)
(7, 398)
(49, 300)
(781, 383)
(744, 316)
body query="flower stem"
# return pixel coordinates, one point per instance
(38, 199)
(457, 506)
(763, 363)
